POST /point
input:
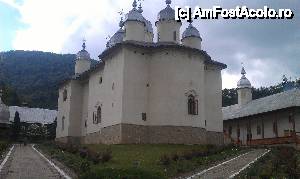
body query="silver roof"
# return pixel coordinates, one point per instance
(274, 102)
(83, 54)
(167, 13)
(243, 82)
(135, 14)
(191, 31)
(116, 38)
(149, 27)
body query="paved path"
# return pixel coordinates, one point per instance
(25, 163)
(232, 167)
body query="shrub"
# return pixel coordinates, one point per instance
(165, 160)
(106, 155)
(175, 157)
(83, 152)
(109, 173)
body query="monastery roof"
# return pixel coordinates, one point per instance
(33, 115)
(274, 102)
(148, 45)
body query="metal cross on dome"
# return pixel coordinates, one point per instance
(83, 43)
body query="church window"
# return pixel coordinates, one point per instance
(99, 114)
(258, 130)
(65, 95)
(230, 130)
(100, 80)
(63, 123)
(238, 132)
(144, 116)
(275, 129)
(192, 105)
(174, 36)
(205, 122)
(113, 86)
(85, 123)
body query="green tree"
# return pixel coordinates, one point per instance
(16, 126)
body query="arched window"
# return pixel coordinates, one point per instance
(99, 114)
(174, 36)
(63, 123)
(65, 95)
(192, 105)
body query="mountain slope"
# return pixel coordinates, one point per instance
(35, 75)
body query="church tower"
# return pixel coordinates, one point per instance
(191, 37)
(83, 60)
(134, 25)
(168, 29)
(244, 89)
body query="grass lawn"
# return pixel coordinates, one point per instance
(3, 147)
(280, 162)
(157, 161)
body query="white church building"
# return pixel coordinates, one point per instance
(141, 91)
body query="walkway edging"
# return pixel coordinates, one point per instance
(206, 170)
(246, 166)
(52, 164)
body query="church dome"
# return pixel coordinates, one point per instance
(83, 54)
(116, 38)
(191, 31)
(166, 14)
(4, 112)
(149, 27)
(134, 14)
(243, 82)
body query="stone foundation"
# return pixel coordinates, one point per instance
(139, 134)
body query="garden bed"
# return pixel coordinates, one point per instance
(138, 161)
(280, 162)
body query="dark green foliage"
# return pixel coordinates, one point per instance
(9, 96)
(16, 127)
(35, 75)
(281, 162)
(110, 173)
(3, 147)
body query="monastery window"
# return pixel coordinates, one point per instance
(144, 116)
(99, 114)
(65, 95)
(63, 123)
(205, 122)
(192, 105)
(230, 130)
(174, 36)
(100, 80)
(113, 86)
(258, 130)
(85, 123)
(275, 129)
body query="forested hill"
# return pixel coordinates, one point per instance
(35, 75)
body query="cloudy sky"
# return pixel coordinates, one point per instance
(267, 48)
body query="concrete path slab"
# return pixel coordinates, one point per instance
(232, 167)
(26, 163)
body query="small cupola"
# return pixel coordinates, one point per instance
(191, 37)
(168, 29)
(83, 60)
(134, 24)
(244, 89)
(118, 36)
